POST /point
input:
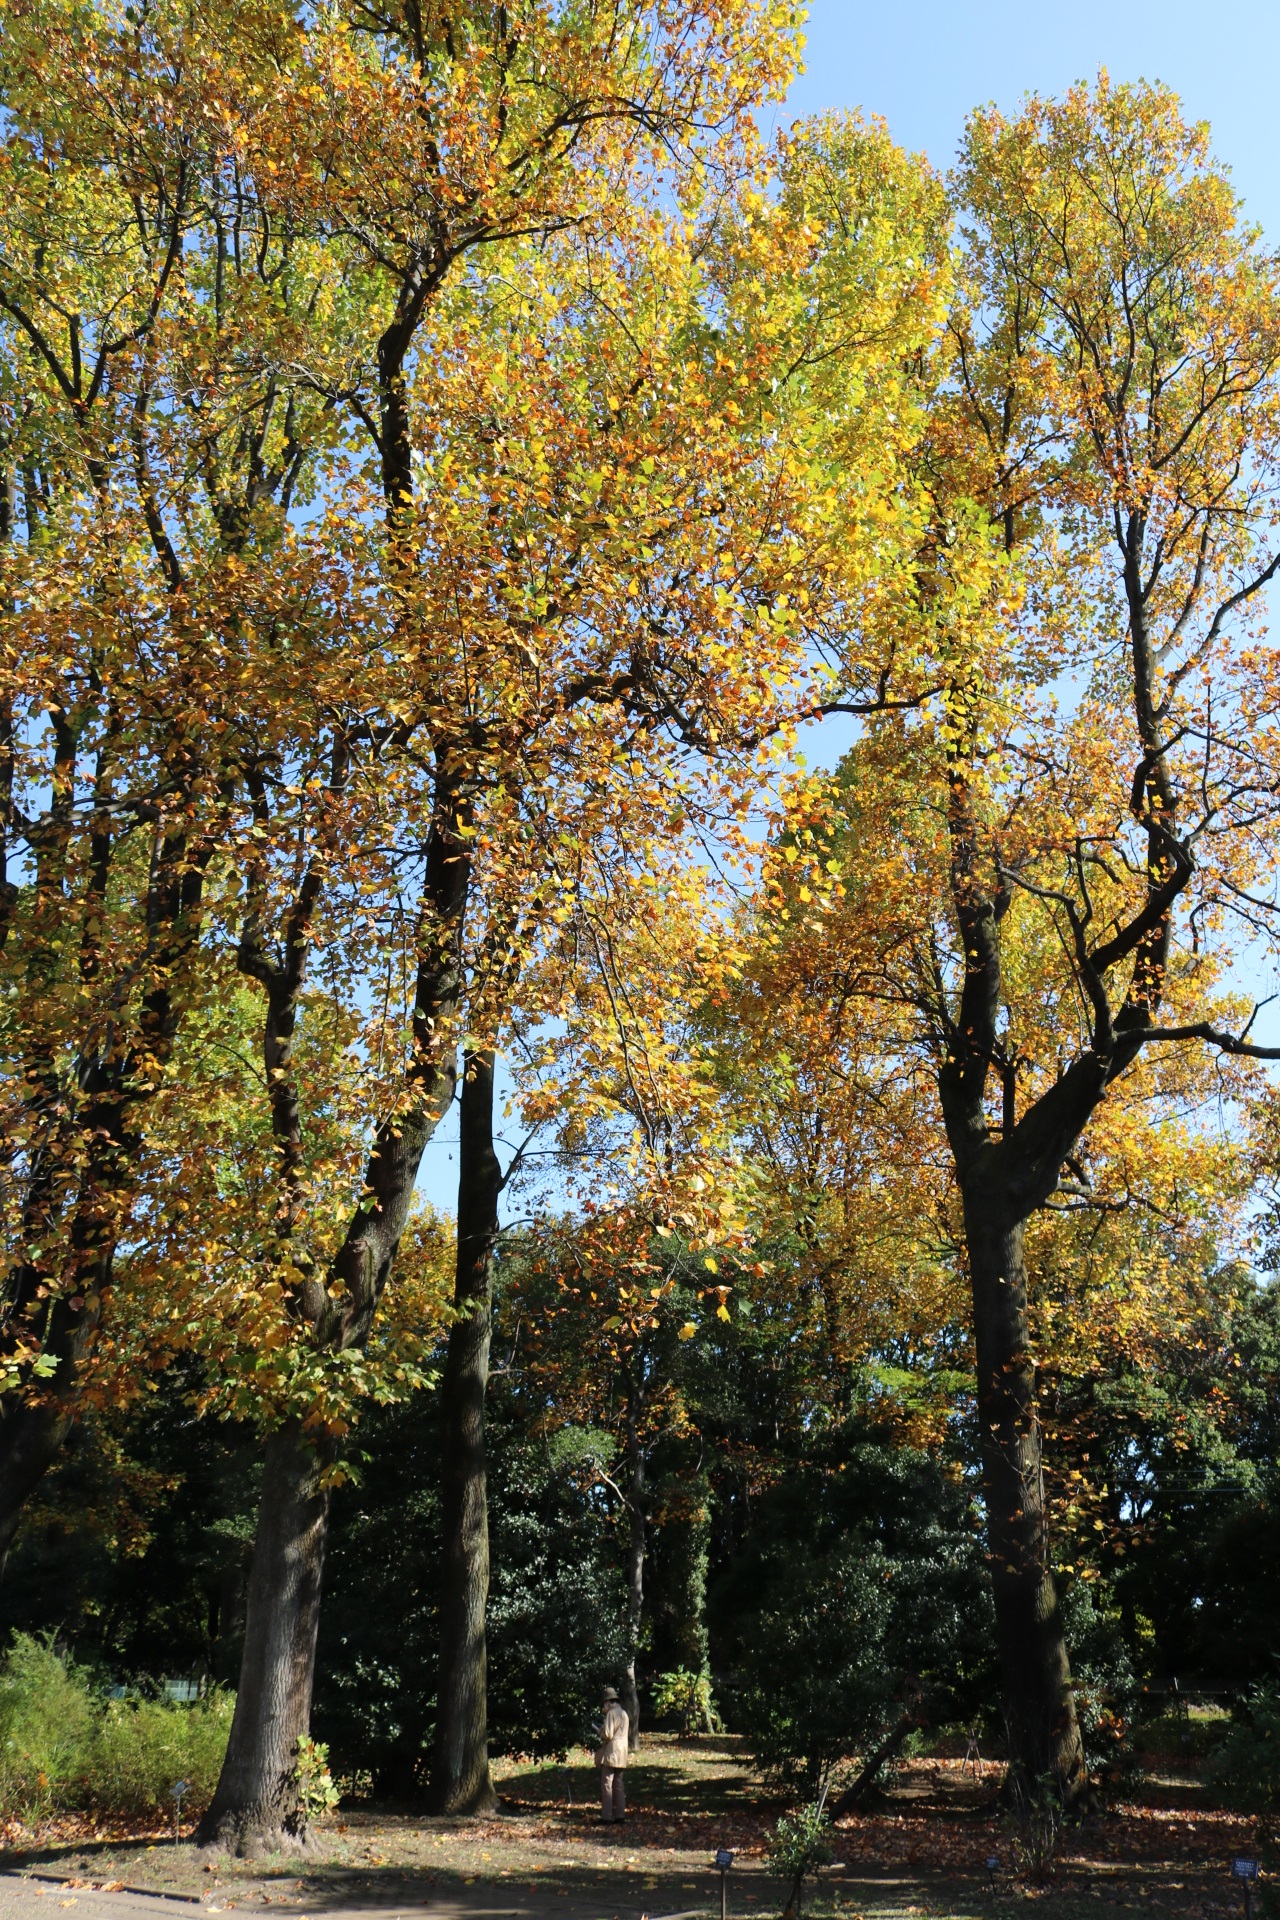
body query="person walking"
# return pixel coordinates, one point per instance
(611, 1758)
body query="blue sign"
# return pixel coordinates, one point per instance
(1242, 1869)
(724, 1859)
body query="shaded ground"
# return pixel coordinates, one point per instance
(922, 1851)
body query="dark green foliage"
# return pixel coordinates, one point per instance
(137, 1553)
(1107, 1688)
(1246, 1766)
(136, 1549)
(1207, 1573)
(826, 1576)
(825, 1689)
(858, 1593)
(800, 1845)
(1166, 1495)
(374, 1700)
(1208, 1581)
(555, 1607)
(680, 1512)
(556, 1604)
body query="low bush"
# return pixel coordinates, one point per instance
(1245, 1767)
(686, 1697)
(47, 1716)
(62, 1745)
(799, 1846)
(316, 1788)
(141, 1747)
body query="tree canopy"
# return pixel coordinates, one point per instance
(452, 460)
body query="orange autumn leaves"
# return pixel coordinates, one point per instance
(1084, 736)
(565, 552)
(699, 441)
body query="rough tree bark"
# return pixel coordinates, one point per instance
(1182, 576)
(1043, 1732)
(460, 1781)
(1003, 1176)
(633, 1389)
(338, 1306)
(1006, 1170)
(256, 1806)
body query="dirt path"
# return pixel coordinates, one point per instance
(546, 1857)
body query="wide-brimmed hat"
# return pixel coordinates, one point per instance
(611, 1693)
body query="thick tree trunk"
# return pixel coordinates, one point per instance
(1044, 1736)
(255, 1795)
(635, 1554)
(1003, 1182)
(256, 1806)
(460, 1780)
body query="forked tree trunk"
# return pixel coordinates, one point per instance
(460, 1781)
(257, 1800)
(256, 1806)
(1003, 1181)
(1044, 1735)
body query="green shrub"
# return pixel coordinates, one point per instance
(317, 1793)
(799, 1846)
(46, 1729)
(141, 1747)
(687, 1696)
(62, 1745)
(1246, 1766)
(859, 1587)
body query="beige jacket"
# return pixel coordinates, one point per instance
(615, 1730)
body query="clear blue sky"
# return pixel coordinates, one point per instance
(923, 64)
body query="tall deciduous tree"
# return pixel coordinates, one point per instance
(1044, 858)
(512, 438)
(127, 652)
(591, 582)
